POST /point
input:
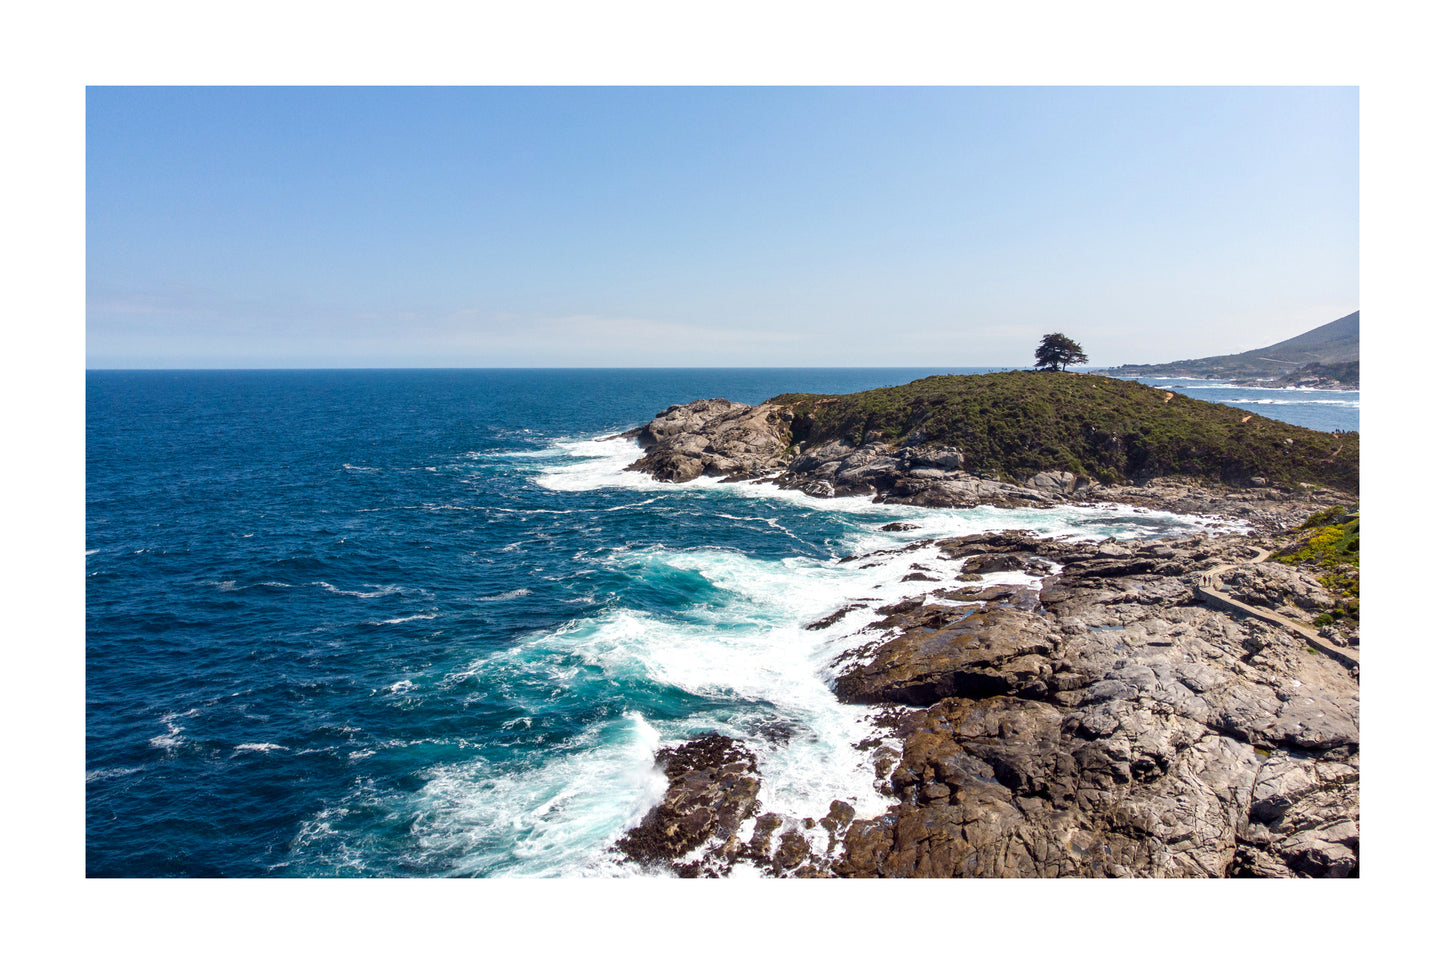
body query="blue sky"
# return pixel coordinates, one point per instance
(477, 227)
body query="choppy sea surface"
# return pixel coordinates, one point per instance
(1324, 411)
(423, 623)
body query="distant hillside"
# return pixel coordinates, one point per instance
(1328, 345)
(1319, 375)
(1015, 424)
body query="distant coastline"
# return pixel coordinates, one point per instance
(1327, 357)
(1340, 377)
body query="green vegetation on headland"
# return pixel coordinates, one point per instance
(1015, 424)
(1330, 545)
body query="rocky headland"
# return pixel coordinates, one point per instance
(1056, 708)
(1010, 439)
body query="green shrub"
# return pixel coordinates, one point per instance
(1330, 546)
(1020, 423)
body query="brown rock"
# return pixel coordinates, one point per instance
(975, 655)
(712, 787)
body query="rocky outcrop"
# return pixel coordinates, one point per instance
(1127, 733)
(739, 442)
(987, 652)
(707, 821)
(913, 475)
(713, 437)
(712, 788)
(1097, 723)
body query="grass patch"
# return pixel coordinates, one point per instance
(1015, 424)
(1328, 543)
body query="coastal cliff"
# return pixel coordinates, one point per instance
(1057, 708)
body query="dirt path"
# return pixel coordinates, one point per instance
(1210, 591)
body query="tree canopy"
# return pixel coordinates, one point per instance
(1058, 351)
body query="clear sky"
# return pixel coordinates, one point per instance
(480, 227)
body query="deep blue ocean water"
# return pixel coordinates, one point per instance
(422, 623)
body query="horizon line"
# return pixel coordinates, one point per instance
(585, 368)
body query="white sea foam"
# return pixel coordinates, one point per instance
(110, 773)
(332, 846)
(1341, 402)
(259, 747)
(555, 819)
(600, 464)
(547, 453)
(174, 735)
(752, 650)
(513, 594)
(376, 590)
(400, 686)
(400, 619)
(527, 512)
(634, 505)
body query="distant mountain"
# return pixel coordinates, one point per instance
(1328, 350)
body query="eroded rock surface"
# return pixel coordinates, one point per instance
(713, 437)
(1097, 723)
(712, 788)
(1116, 730)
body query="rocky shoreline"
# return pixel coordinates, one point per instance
(1086, 716)
(737, 442)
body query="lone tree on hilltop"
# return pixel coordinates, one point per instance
(1057, 352)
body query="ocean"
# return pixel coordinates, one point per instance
(1324, 411)
(422, 623)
